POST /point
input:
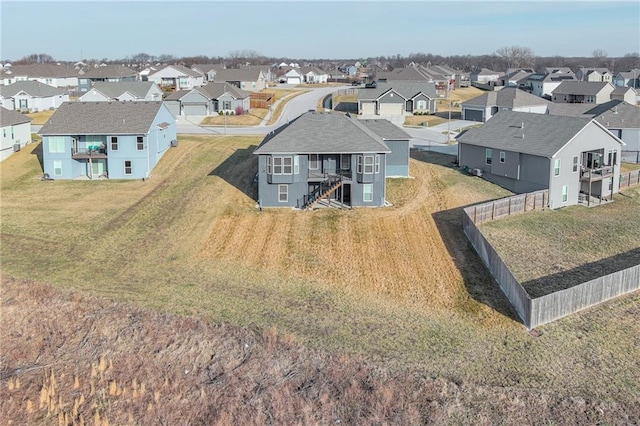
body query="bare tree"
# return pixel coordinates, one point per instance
(516, 56)
(599, 57)
(237, 57)
(35, 58)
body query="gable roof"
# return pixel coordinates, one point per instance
(509, 97)
(237, 75)
(31, 87)
(315, 70)
(632, 73)
(110, 71)
(216, 89)
(114, 89)
(622, 90)
(182, 70)
(580, 87)
(99, 118)
(544, 135)
(11, 118)
(177, 95)
(40, 70)
(615, 114)
(205, 68)
(406, 89)
(385, 129)
(318, 133)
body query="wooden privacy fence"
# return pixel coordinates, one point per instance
(507, 206)
(550, 307)
(630, 179)
(262, 100)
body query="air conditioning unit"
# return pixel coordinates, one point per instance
(174, 143)
(477, 172)
(16, 147)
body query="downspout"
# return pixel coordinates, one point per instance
(148, 159)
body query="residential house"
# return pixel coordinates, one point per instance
(625, 94)
(16, 132)
(252, 80)
(109, 73)
(119, 140)
(60, 76)
(266, 70)
(594, 74)
(543, 84)
(397, 98)
(176, 77)
(324, 158)
(313, 75)
(103, 91)
(212, 98)
(485, 76)
(32, 96)
(574, 158)
(620, 118)
(293, 76)
(485, 106)
(516, 78)
(630, 78)
(208, 71)
(582, 92)
(444, 77)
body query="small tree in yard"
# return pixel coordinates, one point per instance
(239, 110)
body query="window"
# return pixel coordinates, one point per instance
(56, 144)
(314, 161)
(610, 184)
(377, 164)
(565, 192)
(502, 157)
(84, 81)
(24, 103)
(127, 168)
(368, 164)
(575, 164)
(184, 82)
(114, 143)
(93, 142)
(359, 164)
(421, 105)
(612, 158)
(488, 156)
(282, 165)
(57, 168)
(48, 80)
(269, 167)
(556, 167)
(296, 164)
(140, 143)
(367, 192)
(253, 84)
(345, 162)
(283, 193)
(226, 105)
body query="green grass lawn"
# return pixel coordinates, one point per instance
(399, 286)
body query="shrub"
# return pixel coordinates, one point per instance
(220, 112)
(232, 112)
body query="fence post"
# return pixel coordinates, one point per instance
(475, 214)
(493, 210)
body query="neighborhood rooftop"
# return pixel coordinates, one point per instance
(112, 118)
(591, 88)
(30, 87)
(109, 71)
(11, 118)
(535, 134)
(315, 132)
(508, 97)
(614, 114)
(114, 89)
(406, 89)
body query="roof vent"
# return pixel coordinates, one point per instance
(522, 125)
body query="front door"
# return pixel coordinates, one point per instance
(98, 167)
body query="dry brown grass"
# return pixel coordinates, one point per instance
(426, 120)
(629, 167)
(40, 118)
(457, 97)
(249, 118)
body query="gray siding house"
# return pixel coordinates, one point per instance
(486, 105)
(583, 92)
(574, 158)
(325, 158)
(110, 73)
(103, 91)
(210, 99)
(397, 98)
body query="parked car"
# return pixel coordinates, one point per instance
(356, 83)
(370, 85)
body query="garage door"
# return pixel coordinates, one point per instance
(473, 114)
(293, 80)
(391, 109)
(194, 109)
(368, 108)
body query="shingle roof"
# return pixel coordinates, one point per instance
(237, 75)
(177, 95)
(41, 70)
(406, 89)
(509, 97)
(318, 133)
(31, 87)
(622, 90)
(114, 89)
(215, 90)
(615, 114)
(386, 130)
(580, 88)
(110, 71)
(544, 135)
(205, 68)
(181, 70)
(11, 118)
(80, 118)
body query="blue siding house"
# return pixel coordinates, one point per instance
(116, 140)
(332, 160)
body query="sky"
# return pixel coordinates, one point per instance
(74, 30)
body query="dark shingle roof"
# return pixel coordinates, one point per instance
(11, 118)
(182, 70)
(177, 95)
(318, 133)
(86, 118)
(110, 71)
(215, 90)
(41, 70)
(614, 114)
(591, 88)
(114, 89)
(386, 130)
(544, 135)
(31, 87)
(406, 89)
(237, 75)
(509, 97)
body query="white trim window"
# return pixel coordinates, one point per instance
(57, 168)
(421, 105)
(345, 162)
(56, 144)
(565, 193)
(114, 143)
(269, 167)
(488, 156)
(367, 192)
(128, 167)
(575, 163)
(369, 164)
(282, 165)
(359, 165)
(296, 164)
(377, 164)
(556, 167)
(503, 157)
(140, 143)
(314, 161)
(283, 193)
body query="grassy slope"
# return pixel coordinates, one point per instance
(398, 285)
